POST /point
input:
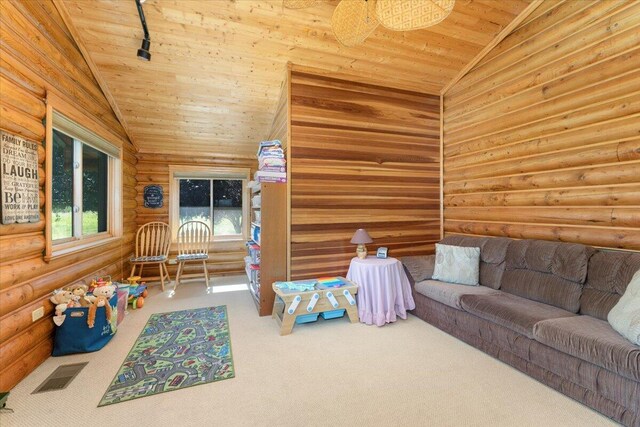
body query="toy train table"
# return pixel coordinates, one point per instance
(303, 301)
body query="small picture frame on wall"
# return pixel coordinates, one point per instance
(153, 196)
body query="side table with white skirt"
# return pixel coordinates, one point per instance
(384, 290)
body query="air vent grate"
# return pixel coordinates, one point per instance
(60, 378)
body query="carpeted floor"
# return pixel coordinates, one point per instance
(329, 373)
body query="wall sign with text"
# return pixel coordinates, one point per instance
(19, 181)
(153, 196)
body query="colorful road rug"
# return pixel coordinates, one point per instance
(175, 350)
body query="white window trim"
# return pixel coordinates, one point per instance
(55, 249)
(177, 172)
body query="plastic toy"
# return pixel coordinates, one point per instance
(133, 280)
(137, 294)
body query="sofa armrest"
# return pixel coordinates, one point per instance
(420, 267)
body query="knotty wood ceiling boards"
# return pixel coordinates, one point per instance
(214, 78)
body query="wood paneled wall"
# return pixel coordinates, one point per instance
(362, 156)
(153, 169)
(542, 137)
(39, 57)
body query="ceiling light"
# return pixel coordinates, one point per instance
(143, 52)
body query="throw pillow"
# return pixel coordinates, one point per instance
(624, 317)
(457, 264)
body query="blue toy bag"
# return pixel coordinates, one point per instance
(75, 336)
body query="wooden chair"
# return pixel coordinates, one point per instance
(193, 246)
(152, 248)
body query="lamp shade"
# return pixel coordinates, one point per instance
(361, 237)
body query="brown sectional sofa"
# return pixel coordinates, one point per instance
(542, 308)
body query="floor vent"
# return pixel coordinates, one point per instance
(60, 378)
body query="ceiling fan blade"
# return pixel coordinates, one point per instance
(405, 15)
(297, 4)
(353, 21)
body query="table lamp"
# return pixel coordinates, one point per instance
(360, 238)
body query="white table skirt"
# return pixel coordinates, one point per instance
(384, 291)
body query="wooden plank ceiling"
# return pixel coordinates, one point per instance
(214, 78)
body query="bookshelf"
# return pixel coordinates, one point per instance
(271, 217)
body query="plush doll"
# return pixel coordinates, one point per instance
(101, 296)
(106, 291)
(61, 299)
(99, 302)
(80, 290)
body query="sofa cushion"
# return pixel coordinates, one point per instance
(511, 311)
(624, 317)
(608, 275)
(493, 251)
(548, 272)
(592, 340)
(450, 293)
(457, 264)
(420, 267)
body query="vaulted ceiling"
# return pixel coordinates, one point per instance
(216, 68)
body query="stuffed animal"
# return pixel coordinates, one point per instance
(80, 290)
(101, 301)
(101, 296)
(61, 299)
(106, 291)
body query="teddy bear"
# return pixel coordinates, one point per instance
(62, 298)
(80, 291)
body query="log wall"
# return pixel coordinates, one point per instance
(153, 169)
(361, 156)
(38, 57)
(542, 136)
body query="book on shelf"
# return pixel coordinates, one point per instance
(267, 162)
(273, 169)
(268, 148)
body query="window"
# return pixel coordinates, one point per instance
(79, 189)
(216, 202)
(216, 198)
(85, 187)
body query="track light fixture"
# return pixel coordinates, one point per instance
(143, 52)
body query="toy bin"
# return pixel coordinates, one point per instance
(123, 299)
(307, 318)
(332, 314)
(74, 334)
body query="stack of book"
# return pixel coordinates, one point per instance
(272, 166)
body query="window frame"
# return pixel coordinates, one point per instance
(85, 134)
(178, 172)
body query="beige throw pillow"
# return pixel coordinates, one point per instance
(624, 317)
(457, 264)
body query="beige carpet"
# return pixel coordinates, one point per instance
(330, 373)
